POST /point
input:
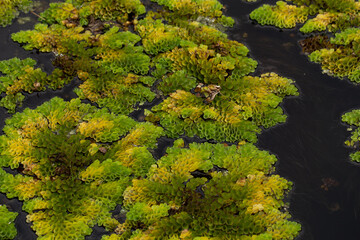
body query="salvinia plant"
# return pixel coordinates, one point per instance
(177, 53)
(7, 226)
(208, 191)
(339, 55)
(352, 118)
(75, 163)
(20, 76)
(9, 9)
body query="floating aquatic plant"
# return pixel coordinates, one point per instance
(208, 191)
(73, 165)
(229, 105)
(21, 76)
(179, 53)
(118, 93)
(317, 42)
(7, 226)
(243, 104)
(343, 59)
(207, 10)
(339, 58)
(9, 9)
(353, 119)
(329, 15)
(75, 161)
(281, 15)
(111, 79)
(83, 12)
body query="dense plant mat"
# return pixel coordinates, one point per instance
(208, 191)
(9, 9)
(20, 76)
(245, 104)
(7, 226)
(339, 58)
(74, 163)
(179, 48)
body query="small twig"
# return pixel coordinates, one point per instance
(37, 15)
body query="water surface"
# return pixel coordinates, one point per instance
(309, 145)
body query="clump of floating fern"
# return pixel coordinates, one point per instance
(107, 63)
(208, 191)
(329, 15)
(20, 76)
(181, 54)
(206, 75)
(9, 9)
(281, 15)
(343, 59)
(74, 165)
(208, 10)
(83, 12)
(353, 119)
(7, 226)
(339, 57)
(77, 160)
(243, 104)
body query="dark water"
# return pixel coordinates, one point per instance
(309, 145)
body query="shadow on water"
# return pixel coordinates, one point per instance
(310, 145)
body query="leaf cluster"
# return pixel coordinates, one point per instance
(10, 9)
(343, 59)
(329, 14)
(20, 76)
(208, 191)
(75, 164)
(353, 119)
(339, 57)
(7, 226)
(245, 104)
